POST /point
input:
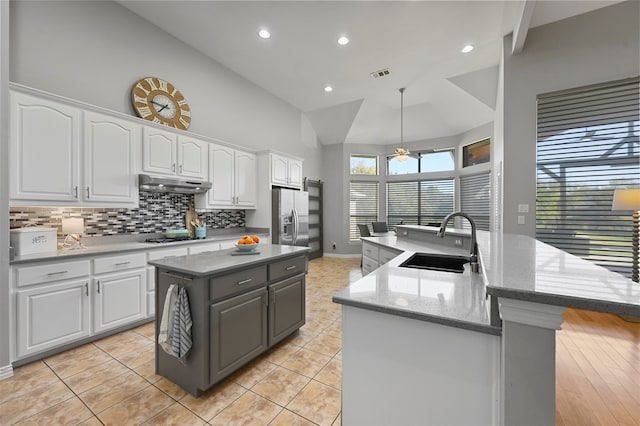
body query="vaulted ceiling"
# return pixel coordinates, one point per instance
(447, 92)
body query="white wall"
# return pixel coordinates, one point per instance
(4, 188)
(600, 46)
(94, 51)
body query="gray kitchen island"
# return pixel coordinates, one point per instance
(240, 306)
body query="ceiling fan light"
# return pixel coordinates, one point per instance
(402, 157)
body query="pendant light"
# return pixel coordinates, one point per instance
(402, 154)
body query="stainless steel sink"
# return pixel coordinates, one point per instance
(436, 262)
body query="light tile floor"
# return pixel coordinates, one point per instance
(113, 381)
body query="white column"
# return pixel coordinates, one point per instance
(528, 363)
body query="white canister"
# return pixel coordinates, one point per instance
(33, 240)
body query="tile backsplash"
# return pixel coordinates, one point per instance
(157, 212)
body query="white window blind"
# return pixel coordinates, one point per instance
(475, 199)
(363, 206)
(588, 145)
(424, 202)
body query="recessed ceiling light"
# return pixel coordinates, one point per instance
(342, 40)
(263, 33)
(468, 48)
(328, 88)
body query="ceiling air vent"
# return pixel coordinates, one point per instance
(381, 73)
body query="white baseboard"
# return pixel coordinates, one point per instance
(6, 371)
(344, 256)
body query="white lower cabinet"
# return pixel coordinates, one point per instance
(119, 298)
(51, 315)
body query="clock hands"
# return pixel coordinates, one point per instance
(163, 106)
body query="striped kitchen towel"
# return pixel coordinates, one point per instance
(181, 330)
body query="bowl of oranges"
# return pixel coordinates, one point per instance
(248, 243)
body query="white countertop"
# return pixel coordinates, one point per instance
(512, 266)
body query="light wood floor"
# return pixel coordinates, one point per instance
(597, 370)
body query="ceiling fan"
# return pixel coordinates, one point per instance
(401, 153)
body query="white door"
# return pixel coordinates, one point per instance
(246, 179)
(279, 170)
(44, 144)
(221, 167)
(109, 159)
(51, 315)
(119, 299)
(295, 173)
(192, 158)
(158, 151)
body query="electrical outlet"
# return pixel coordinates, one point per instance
(458, 242)
(523, 208)
(520, 220)
(333, 245)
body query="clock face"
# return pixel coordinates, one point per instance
(159, 101)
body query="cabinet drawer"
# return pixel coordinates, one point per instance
(236, 282)
(119, 263)
(287, 267)
(387, 254)
(29, 275)
(159, 254)
(368, 265)
(370, 250)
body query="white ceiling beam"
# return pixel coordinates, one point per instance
(522, 26)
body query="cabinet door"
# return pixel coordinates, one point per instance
(221, 176)
(109, 159)
(279, 170)
(158, 151)
(119, 299)
(51, 315)
(192, 158)
(295, 173)
(286, 308)
(246, 179)
(44, 144)
(238, 332)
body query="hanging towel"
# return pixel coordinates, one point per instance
(181, 327)
(164, 335)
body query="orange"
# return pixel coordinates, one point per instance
(241, 241)
(255, 239)
(248, 241)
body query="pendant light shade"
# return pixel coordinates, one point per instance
(402, 153)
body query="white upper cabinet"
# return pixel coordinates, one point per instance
(62, 155)
(166, 153)
(286, 171)
(110, 159)
(44, 146)
(234, 179)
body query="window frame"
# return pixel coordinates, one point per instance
(374, 156)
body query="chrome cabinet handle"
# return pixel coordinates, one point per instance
(244, 281)
(122, 263)
(291, 267)
(75, 189)
(57, 273)
(98, 286)
(173, 167)
(87, 192)
(86, 289)
(180, 168)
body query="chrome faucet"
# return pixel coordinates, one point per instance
(473, 255)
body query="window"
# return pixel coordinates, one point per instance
(364, 164)
(475, 199)
(363, 206)
(422, 162)
(588, 145)
(476, 153)
(424, 202)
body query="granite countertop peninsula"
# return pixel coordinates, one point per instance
(512, 266)
(216, 262)
(95, 246)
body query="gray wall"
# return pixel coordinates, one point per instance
(596, 47)
(94, 51)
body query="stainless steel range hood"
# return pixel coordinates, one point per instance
(175, 185)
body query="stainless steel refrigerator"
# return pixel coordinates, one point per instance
(290, 217)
